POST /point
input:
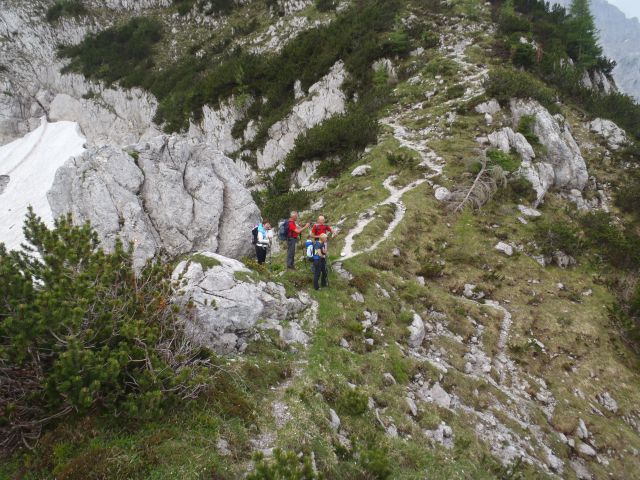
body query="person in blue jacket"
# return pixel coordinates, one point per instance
(320, 262)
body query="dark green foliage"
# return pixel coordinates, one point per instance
(505, 84)
(208, 7)
(455, 91)
(582, 36)
(79, 330)
(506, 161)
(120, 53)
(65, 8)
(376, 462)
(524, 55)
(352, 402)
(326, 5)
(628, 195)
(525, 127)
(404, 159)
(277, 206)
(520, 190)
(338, 135)
(617, 246)
(553, 236)
(284, 466)
(429, 40)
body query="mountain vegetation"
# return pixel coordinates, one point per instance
(528, 320)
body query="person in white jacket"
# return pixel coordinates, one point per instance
(263, 241)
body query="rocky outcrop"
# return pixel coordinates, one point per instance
(559, 164)
(167, 196)
(325, 99)
(610, 132)
(223, 308)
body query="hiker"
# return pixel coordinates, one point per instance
(292, 237)
(320, 261)
(320, 228)
(261, 239)
(308, 250)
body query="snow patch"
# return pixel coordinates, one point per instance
(27, 169)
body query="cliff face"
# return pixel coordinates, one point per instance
(620, 39)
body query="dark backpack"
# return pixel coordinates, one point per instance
(254, 232)
(283, 230)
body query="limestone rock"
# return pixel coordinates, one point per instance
(615, 136)
(361, 170)
(416, 331)
(435, 394)
(561, 165)
(220, 311)
(506, 140)
(529, 212)
(167, 195)
(491, 107)
(607, 401)
(504, 248)
(563, 260)
(586, 450)
(334, 420)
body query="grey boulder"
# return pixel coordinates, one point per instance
(222, 308)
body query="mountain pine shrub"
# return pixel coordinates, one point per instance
(65, 8)
(80, 330)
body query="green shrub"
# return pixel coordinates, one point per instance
(376, 462)
(524, 55)
(326, 5)
(65, 8)
(208, 7)
(526, 128)
(278, 206)
(117, 53)
(552, 236)
(627, 196)
(284, 466)
(403, 158)
(352, 402)
(429, 40)
(80, 330)
(617, 246)
(455, 91)
(441, 66)
(505, 84)
(506, 161)
(520, 190)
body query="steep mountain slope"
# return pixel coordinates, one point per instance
(465, 333)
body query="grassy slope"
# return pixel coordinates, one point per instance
(582, 349)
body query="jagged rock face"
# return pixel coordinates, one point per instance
(561, 165)
(32, 84)
(325, 99)
(175, 198)
(222, 312)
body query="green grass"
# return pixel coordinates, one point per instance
(204, 260)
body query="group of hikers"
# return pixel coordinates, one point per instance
(316, 245)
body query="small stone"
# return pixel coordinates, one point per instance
(587, 450)
(334, 420)
(344, 343)
(607, 401)
(223, 447)
(369, 341)
(528, 211)
(420, 280)
(413, 408)
(468, 290)
(504, 248)
(388, 379)
(396, 252)
(361, 170)
(416, 331)
(357, 297)
(468, 368)
(583, 433)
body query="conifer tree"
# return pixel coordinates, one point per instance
(583, 45)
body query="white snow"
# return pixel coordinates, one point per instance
(31, 163)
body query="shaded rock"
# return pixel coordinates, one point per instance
(586, 450)
(529, 212)
(442, 435)
(491, 107)
(563, 260)
(435, 394)
(357, 297)
(388, 379)
(607, 401)
(413, 408)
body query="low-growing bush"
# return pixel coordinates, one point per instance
(402, 158)
(326, 5)
(455, 91)
(552, 236)
(617, 246)
(65, 8)
(285, 465)
(507, 161)
(352, 402)
(505, 84)
(81, 330)
(524, 55)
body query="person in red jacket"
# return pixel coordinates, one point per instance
(294, 232)
(320, 228)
